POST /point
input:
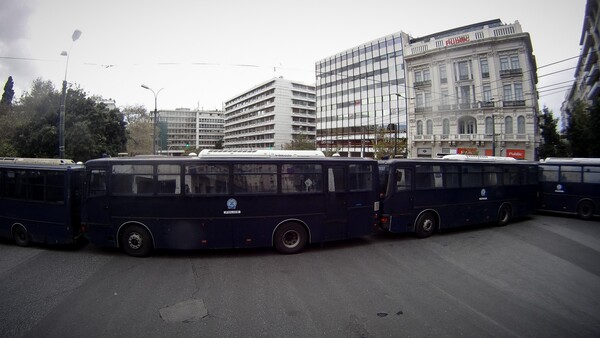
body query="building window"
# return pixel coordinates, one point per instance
(443, 75)
(485, 69)
(419, 127)
(521, 125)
(518, 91)
(514, 62)
(504, 63)
(465, 95)
(445, 127)
(487, 93)
(507, 92)
(508, 125)
(463, 71)
(467, 125)
(429, 127)
(423, 100)
(489, 125)
(445, 97)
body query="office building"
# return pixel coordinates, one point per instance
(586, 87)
(270, 115)
(184, 129)
(361, 98)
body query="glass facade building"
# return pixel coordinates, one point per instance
(361, 98)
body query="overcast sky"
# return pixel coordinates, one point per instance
(205, 52)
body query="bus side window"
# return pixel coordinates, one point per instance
(403, 180)
(548, 173)
(169, 179)
(335, 177)
(471, 176)
(97, 182)
(591, 175)
(451, 176)
(360, 177)
(571, 174)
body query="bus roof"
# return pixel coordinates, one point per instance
(35, 161)
(478, 158)
(575, 160)
(259, 153)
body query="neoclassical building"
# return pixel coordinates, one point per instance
(472, 90)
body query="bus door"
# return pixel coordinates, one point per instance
(399, 201)
(336, 208)
(96, 208)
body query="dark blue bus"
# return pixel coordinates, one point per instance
(421, 196)
(570, 185)
(40, 200)
(143, 203)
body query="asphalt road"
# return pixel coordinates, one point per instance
(539, 277)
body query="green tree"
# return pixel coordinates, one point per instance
(552, 145)
(300, 142)
(139, 130)
(387, 145)
(7, 96)
(594, 149)
(578, 131)
(91, 129)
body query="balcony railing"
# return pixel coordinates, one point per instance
(510, 72)
(514, 103)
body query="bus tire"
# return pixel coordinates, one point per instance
(136, 241)
(290, 238)
(426, 225)
(504, 215)
(20, 235)
(585, 210)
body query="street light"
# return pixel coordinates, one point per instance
(61, 118)
(155, 118)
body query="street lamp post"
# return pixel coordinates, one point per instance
(61, 117)
(155, 117)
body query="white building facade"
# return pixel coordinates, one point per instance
(184, 129)
(360, 94)
(472, 90)
(270, 115)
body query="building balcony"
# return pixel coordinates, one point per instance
(594, 91)
(511, 72)
(593, 75)
(423, 109)
(514, 103)
(420, 84)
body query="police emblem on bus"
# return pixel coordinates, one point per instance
(483, 195)
(231, 204)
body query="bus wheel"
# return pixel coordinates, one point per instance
(136, 241)
(21, 236)
(290, 238)
(585, 210)
(426, 225)
(504, 215)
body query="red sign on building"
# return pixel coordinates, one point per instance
(519, 154)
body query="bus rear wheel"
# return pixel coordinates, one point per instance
(136, 241)
(585, 210)
(426, 225)
(20, 235)
(290, 238)
(504, 215)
